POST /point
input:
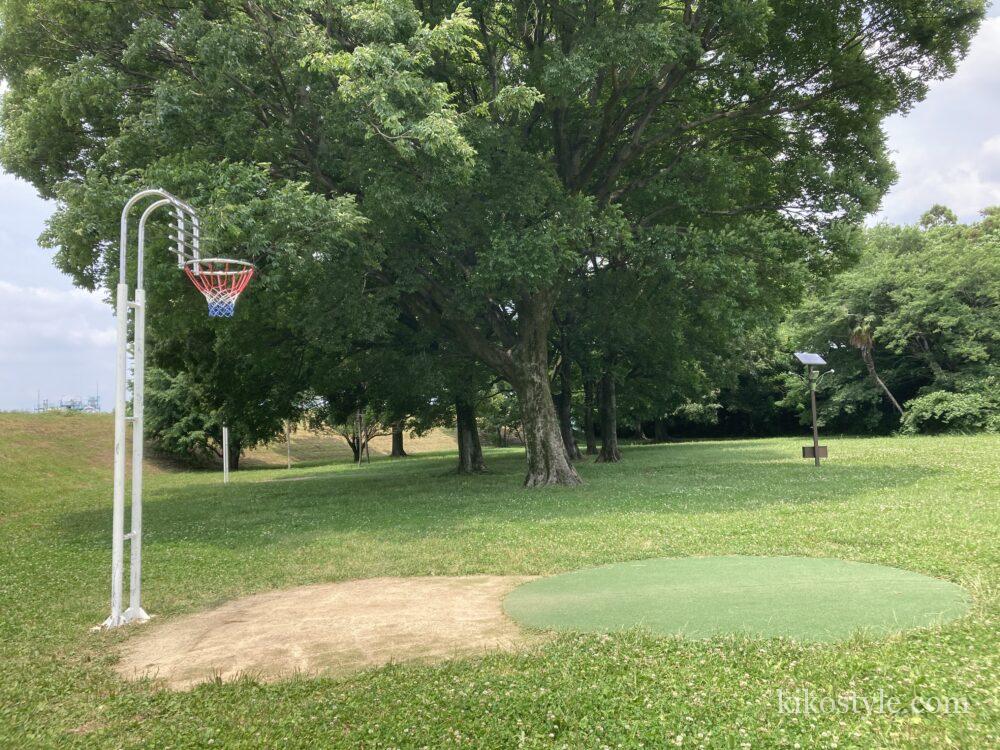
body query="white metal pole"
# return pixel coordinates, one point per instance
(118, 512)
(225, 454)
(288, 444)
(135, 612)
(195, 239)
(181, 236)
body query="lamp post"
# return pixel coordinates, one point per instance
(811, 360)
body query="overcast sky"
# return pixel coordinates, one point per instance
(59, 341)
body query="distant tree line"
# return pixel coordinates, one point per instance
(913, 330)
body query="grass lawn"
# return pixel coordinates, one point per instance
(924, 504)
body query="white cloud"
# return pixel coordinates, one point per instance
(60, 342)
(33, 316)
(22, 219)
(991, 147)
(947, 150)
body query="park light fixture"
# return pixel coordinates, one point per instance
(221, 281)
(812, 360)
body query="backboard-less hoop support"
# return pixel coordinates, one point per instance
(186, 239)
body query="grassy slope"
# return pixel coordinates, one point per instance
(929, 505)
(312, 447)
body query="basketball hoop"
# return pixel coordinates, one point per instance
(221, 280)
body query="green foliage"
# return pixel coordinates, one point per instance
(185, 413)
(683, 316)
(927, 302)
(177, 420)
(937, 216)
(697, 412)
(357, 425)
(500, 417)
(463, 164)
(945, 411)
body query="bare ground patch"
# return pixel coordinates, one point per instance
(329, 628)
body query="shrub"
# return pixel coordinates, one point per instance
(946, 411)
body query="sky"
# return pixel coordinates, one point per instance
(57, 341)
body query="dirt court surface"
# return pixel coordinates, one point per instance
(328, 628)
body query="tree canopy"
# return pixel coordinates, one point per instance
(475, 170)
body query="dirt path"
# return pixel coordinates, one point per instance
(328, 628)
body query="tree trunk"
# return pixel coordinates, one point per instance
(470, 450)
(866, 355)
(639, 434)
(548, 463)
(397, 441)
(588, 417)
(235, 448)
(359, 428)
(355, 446)
(565, 404)
(609, 422)
(660, 433)
(523, 361)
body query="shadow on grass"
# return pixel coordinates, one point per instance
(421, 495)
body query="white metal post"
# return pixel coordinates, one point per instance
(180, 237)
(135, 612)
(118, 521)
(225, 454)
(288, 444)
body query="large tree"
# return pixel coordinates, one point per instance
(701, 116)
(496, 150)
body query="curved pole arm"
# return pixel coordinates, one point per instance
(822, 374)
(180, 205)
(142, 237)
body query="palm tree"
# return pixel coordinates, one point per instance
(862, 339)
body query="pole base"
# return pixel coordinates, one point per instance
(129, 616)
(112, 622)
(135, 614)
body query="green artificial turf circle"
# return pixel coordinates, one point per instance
(805, 598)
